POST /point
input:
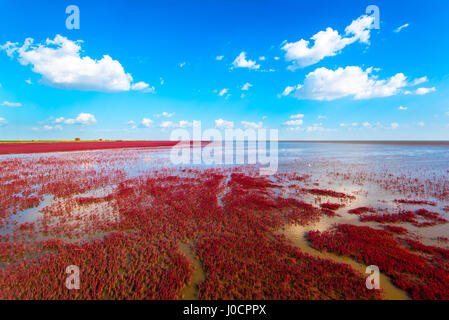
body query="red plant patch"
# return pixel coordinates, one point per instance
(42, 147)
(332, 206)
(248, 266)
(403, 216)
(396, 229)
(415, 202)
(422, 277)
(328, 193)
(362, 210)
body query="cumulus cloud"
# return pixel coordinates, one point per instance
(402, 108)
(297, 116)
(10, 104)
(318, 128)
(294, 122)
(142, 86)
(422, 91)
(223, 92)
(223, 124)
(3, 122)
(49, 128)
(82, 119)
(252, 125)
(288, 90)
(219, 58)
(419, 81)
(241, 62)
(61, 65)
(399, 29)
(366, 125)
(165, 115)
(327, 43)
(246, 86)
(147, 122)
(394, 125)
(353, 124)
(180, 124)
(132, 124)
(352, 81)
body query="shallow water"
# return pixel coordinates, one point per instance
(323, 162)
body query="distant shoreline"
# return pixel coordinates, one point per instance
(386, 142)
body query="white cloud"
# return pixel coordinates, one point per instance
(422, 91)
(11, 104)
(352, 81)
(402, 108)
(165, 115)
(419, 81)
(180, 124)
(49, 128)
(142, 86)
(246, 86)
(394, 125)
(167, 124)
(317, 128)
(182, 64)
(421, 124)
(28, 81)
(262, 58)
(132, 124)
(241, 62)
(3, 122)
(322, 117)
(354, 124)
(399, 29)
(295, 129)
(294, 122)
(297, 116)
(60, 63)
(9, 47)
(223, 92)
(82, 119)
(184, 124)
(147, 122)
(289, 90)
(327, 43)
(223, 124)
(366, 124)
(252, 125)
(219, 58)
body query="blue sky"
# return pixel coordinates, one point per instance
(143, 68)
